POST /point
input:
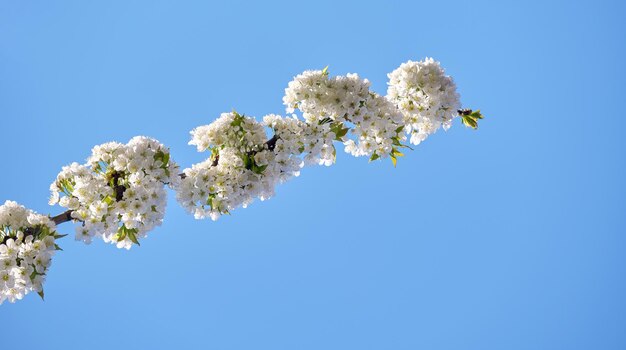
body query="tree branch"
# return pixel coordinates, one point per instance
(63, 217)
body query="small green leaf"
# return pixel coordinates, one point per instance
(108, 200)
(470, 118)
(237, 120)
(132, 236)
(341, 133)
(259, 169)
(209, 200)
(476, 114)
(374, 157)
(248, 161)
(41, 294)
(469, 122)
(56, 247)
(121, 233)
(325, 71)
(394, 160)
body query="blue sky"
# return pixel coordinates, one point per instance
(509, 237)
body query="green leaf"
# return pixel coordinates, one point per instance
(397, 153)
(469, 122)
(342, 132)
(259, 169)
(121, 233)
(108, 200)
(325, 71)
(394, 160)
(476, 114)
(237, 120)
(374, 157)
(41, 294)
(132, 236)
(471, 119)
(56, 247)
(209, 200)
(399, 129)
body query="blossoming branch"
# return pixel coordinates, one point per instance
(119, 194)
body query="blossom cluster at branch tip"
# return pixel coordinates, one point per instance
(346, 103)
(119, 194)
(242, 167)
(27, 244)
(425, 95)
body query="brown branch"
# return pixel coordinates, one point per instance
(63, 217)
(271, 143)
(34, 231)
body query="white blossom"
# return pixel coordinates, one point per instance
(243, 165)
(346, 103)
(425, 95)
(230, 130)
(27, 244)
(119, 194)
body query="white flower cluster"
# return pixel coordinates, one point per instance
(241, 167)
(244, 165)
(316, 94)
(230, 130)
(26, 250)
(345, 101)
(426, 96)
(296, 137)
(119, 194)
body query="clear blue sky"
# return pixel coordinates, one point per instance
(511, 237)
